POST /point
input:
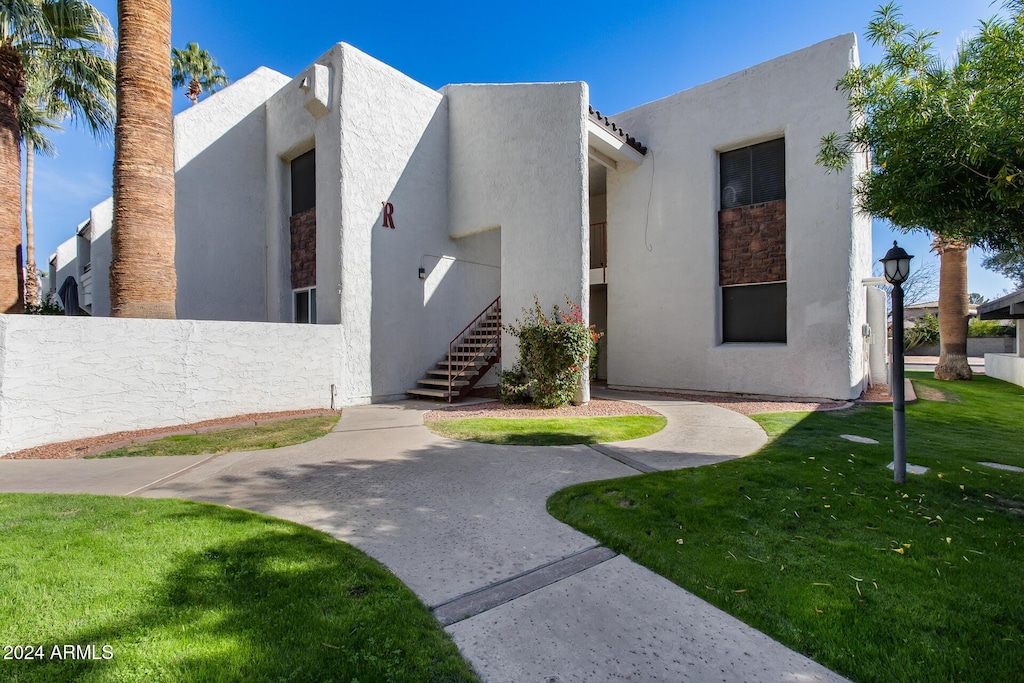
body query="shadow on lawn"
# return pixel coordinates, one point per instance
(286, 604)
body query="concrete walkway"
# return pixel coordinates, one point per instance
(464, 525)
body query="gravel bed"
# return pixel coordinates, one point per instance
(753, 406)
(604, 407)
(98, 444)
(878, 393)
(597, 407)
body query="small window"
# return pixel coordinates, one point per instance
(304, 305)
(753, 175)
(304, 182)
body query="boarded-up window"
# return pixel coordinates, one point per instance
(754, 313)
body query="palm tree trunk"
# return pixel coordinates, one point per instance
(31, 276)
(143, 283)
(953, 363)
(12, 88)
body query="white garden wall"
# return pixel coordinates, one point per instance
(1008, 367)
(69, 378)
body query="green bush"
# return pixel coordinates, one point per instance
(924, 332)
(988, 328)
(513, 386)
(48, 306)
(553, 352)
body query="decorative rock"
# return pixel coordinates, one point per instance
(1001, 466)
(858, 439)
(912, 469)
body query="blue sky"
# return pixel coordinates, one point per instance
(629, 53)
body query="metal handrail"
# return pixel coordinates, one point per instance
(454, 342)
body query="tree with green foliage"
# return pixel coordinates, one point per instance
(198, 69)
(946, 147)
(67, 36)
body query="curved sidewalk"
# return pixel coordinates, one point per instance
(464, 525)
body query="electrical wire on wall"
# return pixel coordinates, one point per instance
(650, 193)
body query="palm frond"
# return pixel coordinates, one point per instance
(195, 63)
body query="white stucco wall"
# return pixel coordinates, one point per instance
(1008, 367)
(220, 208)
(67, 262)
(878, 360)
(395, 149)
(663, 298)
(100, 375)
(291, 131)
(518, 157)
(102, 216)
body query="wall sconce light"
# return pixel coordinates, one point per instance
(423, 273)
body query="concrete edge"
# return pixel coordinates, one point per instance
(487, 598)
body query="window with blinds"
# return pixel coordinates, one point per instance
(753, 175)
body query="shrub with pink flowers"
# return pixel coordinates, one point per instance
(553, 351)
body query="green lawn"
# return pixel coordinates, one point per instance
(259, 437)
(183, 592)
(811, 542)
(548, 431)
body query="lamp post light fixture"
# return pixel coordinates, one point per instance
(897, 268)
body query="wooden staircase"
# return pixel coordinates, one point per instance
(471, 353)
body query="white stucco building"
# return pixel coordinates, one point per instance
(704, 241)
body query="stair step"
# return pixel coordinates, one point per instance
(431, 393)
(466, 372)
(474, 365)
(460, 358)
(442, 382)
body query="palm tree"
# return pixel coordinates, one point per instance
(32, 121)
(143, 282)
(77, 84)
(953, 295)
(196, 67)
(31, 31)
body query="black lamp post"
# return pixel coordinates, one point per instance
(897, 268)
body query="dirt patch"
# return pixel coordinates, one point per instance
(96, 444)
(597, 407)
(932, 394)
